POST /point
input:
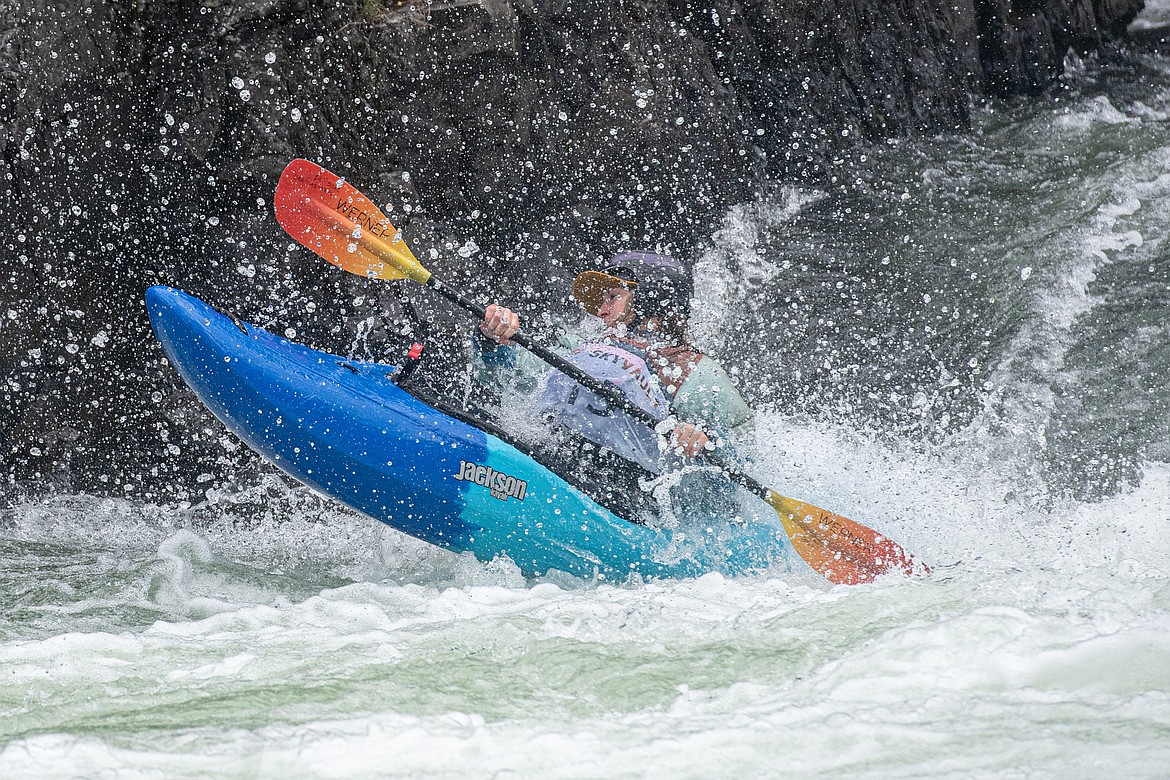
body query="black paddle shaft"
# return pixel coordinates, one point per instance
(604, 389)
(608, 391)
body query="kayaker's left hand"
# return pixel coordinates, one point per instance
(686, 439)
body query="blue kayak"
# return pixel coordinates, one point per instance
(345, 428)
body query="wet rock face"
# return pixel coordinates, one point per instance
(514, 141)
(1022, 44)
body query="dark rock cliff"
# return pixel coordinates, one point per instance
(140, 143)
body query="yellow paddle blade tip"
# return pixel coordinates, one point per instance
(407, 264)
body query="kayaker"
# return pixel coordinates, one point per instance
(643, 302)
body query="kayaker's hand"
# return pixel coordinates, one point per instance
(499, 324)
(688, 440)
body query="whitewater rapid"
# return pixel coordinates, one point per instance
(326, 645)
(965, 346)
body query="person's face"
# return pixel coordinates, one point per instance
(617, 305)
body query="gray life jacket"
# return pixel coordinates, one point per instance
(624, 365)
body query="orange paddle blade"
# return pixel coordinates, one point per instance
(842, 551)
(328, 215)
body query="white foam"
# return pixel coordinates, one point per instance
(1021, 400)
(740, 262)
(1084, 117)
(1154, 14)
